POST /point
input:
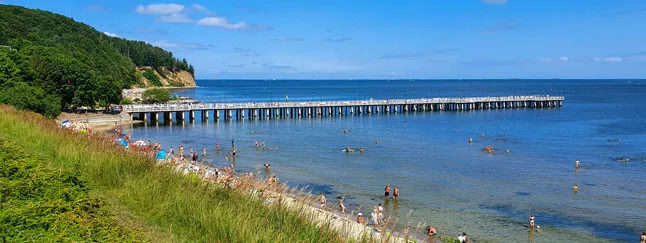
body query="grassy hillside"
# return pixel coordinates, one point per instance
(69, 62)
(153, 203)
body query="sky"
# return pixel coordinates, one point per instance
(359, 39)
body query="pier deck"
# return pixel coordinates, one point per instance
(272, 110)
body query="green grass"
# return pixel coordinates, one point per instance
(155, 203)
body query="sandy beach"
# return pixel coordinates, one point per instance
(98, 122)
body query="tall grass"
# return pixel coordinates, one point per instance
(157, 199)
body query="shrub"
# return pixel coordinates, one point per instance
(152, 77)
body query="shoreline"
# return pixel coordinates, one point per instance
(280, 194)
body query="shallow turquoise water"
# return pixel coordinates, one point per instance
(443, 179)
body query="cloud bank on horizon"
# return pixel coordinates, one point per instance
(360, 39)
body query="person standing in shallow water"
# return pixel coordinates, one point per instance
(387, 191)
(531, 220)
(341, 206)
(396, 193)
(575, 188)
(577, 164)
(642, 239)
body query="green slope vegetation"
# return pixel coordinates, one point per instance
(69, 62)
(156, 203)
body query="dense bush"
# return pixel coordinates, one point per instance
(39, 203)
(156, 96)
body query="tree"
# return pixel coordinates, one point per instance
(156, 96)
(9, 71)
(23, 96)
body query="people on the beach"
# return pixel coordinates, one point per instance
(375, 217)
(341, 206)
(463, 238)
(172, 151)
(575, 188)
(396, 193)
(387, 191)
(322, 201)
(531, 220)
(430, 231)
(190, 151)
(360, 219)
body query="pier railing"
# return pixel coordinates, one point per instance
(343, 103)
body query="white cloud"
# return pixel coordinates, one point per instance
(495, 1)
(160, 8)
(221, 22)
(612, 59)
(544, 59)
(203, 9)
(596, 59)
(282, 38)
(111, 34)
(180, 45)
(565, 59)
(176, 18)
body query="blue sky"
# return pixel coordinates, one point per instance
(382, 39)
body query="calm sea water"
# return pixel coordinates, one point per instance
(445, 181)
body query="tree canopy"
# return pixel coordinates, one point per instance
(70, 63)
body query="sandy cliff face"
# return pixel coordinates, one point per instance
(169, 79)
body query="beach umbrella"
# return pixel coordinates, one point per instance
(140, 143)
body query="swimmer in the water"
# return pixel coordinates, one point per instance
(345, 131)
(267, 166)
(387, 191)
(577, 164)
(347, 149)
(361, 150)
(470, 140)
(256, 144)
(396, 193)
(204, 151)
(262, 144)
(430, 231)
(377, 142)
(217, 147)
(575, 188)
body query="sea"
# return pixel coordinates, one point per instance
(444, 180)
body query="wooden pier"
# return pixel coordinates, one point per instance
(282, 110)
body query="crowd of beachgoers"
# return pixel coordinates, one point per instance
(193, 162)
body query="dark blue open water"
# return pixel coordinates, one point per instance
(444, 180)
